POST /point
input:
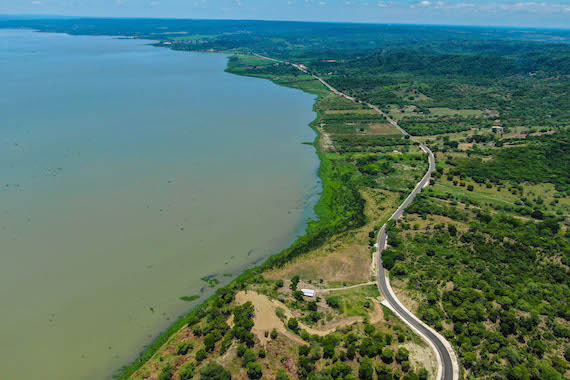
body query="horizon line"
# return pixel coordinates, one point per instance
(40, 16)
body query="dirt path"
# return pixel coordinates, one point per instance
(347, 287)
(266, 319)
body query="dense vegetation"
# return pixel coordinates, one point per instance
(543, 158)
(496, 283)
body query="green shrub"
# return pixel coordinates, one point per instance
(366, 371)
(186, 371)
(249, 357)
(201, 355)
(387, 356)
(213, 371)
(273, 334)
(293, 324)
(254, 370)
(281, 374)
(183, 347)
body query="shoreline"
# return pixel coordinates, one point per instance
(252, 268)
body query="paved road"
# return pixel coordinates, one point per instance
(448, 368)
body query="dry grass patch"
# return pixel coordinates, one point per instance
(349, 264)
(381, 129)
(422, 356)
(407, 299)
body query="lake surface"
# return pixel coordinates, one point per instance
(127, 173)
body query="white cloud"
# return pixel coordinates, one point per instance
(36, 2)
(323, 3)
(381, 4)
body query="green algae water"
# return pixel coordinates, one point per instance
(127, 174)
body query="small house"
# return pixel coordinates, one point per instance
(309, 292)
(497, 129)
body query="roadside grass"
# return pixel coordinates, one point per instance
(418, 224)
(355, 302)
(405, 178)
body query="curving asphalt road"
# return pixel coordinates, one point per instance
(448, 367)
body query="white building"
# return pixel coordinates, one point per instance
(309, 292)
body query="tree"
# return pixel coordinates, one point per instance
(305, 367)
(383, 372)
(213, 371)
(402, 355)
(293, 324)
(519, 372)
(273, 334)
(201, 355)
(298, 295)
(254, 370)
(166, 373)
(333, 302)
(183, 347)
(387, 356)
(249, 357)
(210, 341)
(281, 374)
(294, 283)
(366, 371)
(351, 352)
(411, 376)
(328, 351)
(186, 371)
(340, 370)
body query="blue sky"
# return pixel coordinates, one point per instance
(547, 13)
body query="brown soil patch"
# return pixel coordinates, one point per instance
(465, 146)
(266, 319)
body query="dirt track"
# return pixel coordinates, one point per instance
(266, 319)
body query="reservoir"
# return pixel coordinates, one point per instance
(128, 173)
